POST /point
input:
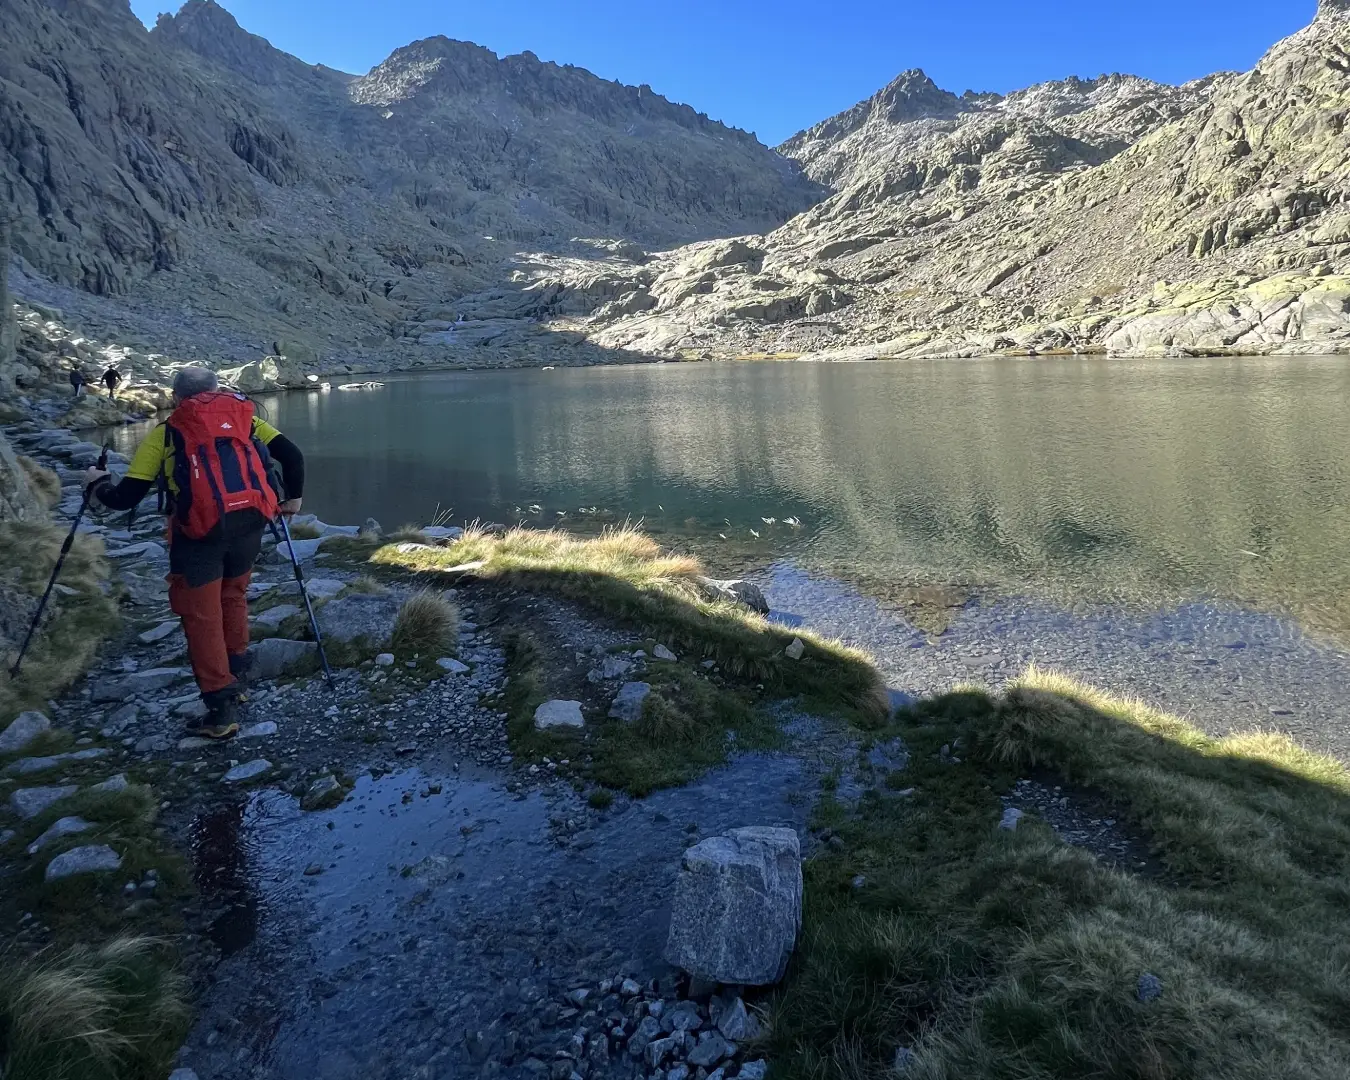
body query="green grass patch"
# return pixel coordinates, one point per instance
(624, 574)
(117, 1012)
(687, 726)
(75, 624)
(993, 955)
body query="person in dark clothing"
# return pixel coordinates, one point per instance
(112, 379)
(209, 573)
(76, 380)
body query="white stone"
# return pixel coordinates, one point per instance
(1012, 817)
(662, 653)
(385, 659)
(26, 727)
(554, 714)
(247, 771)
(302, 550)
(30, 802)
(83, 860)
(453, 666)
(66, 826)
(258, 731)
(796, 650)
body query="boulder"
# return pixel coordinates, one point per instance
(25, 728)
(359, 616)
(745, 593)
(273, 617)
(627, 705)
(558, 714)
(83, 860)
(738, 907)
(281, 656)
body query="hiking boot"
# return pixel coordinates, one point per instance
(241, 667)
(221, 720)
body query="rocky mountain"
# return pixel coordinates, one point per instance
(1111, 214)
(228, 197)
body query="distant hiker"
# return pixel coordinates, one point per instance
(112, 379)
(212, 459)
(76, 380)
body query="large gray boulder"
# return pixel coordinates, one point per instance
(738, 907)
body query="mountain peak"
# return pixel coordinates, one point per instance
(210, 31)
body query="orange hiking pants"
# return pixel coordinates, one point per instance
(208, 591)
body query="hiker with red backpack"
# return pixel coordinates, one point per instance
(213, 460)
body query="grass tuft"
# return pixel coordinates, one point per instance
(409, 534)
(1013, 956)
(625, 574)
(427, 625)
(73, 626)
(43, 480)
(114, 1013)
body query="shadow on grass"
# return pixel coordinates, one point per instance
(980, 954)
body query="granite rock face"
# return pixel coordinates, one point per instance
(738, 907)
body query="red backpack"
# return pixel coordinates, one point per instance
(218, 466)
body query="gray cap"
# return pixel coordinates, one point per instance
(194, 380)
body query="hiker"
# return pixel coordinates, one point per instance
(112, 379)
(76, 380)
(217, 511)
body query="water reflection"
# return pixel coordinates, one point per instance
(1082, 477)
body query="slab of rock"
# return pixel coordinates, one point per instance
(247, 771)
(112, 785)
(662, 653)
(30, 802)
(147, 550)
(627, 705)
(738, 907)
(258, 731)
(66, 826)
(24, 766)
(119, 720)
(452, 666)
(745, 593)
(281, 656)
(612, 667)
(25, 727)
(273, 617)
(558, 714)
(149, 681)
(83, 860)
(302, 549)
(357, 616)
(159, 633)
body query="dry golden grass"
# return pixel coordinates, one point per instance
(625, 573)
(114, 1013)
(43, 480)
(427, 625)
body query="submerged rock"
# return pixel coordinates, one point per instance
(746, 593)
(324, 794)
(738, 907)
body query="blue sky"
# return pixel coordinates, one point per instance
(776, 66)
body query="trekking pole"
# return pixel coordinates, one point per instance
(304, 593)
(56, 570)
